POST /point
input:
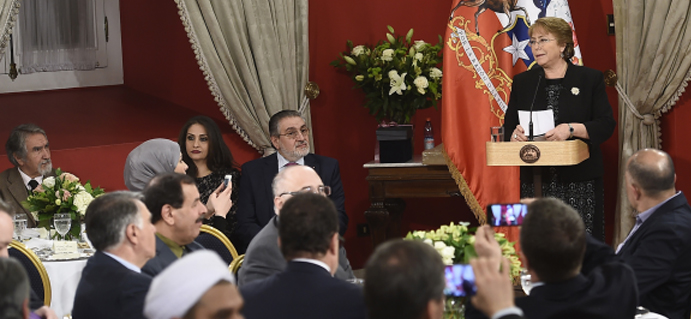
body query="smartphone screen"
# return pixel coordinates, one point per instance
(228, 180)
(507, 214)
(460, 280)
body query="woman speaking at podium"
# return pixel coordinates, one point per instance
(577, 98)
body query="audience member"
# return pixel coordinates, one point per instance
(210, 160)
(152, 157)
(658, 248)
(112, 285)
(27, 149)
(14, 290)
(405, 280)
(6, 231)
(198, 286)
(553, 241)
(290, 137)
(263, 257)
(308, 234)
(177, 214)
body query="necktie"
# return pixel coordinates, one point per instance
(33, 184)
(290, 164)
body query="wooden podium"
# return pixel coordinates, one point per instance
(543, 153)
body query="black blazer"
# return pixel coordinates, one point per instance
(256, 202)
(107, 289)
(164, 257)
(660, 254)
(608, 292)
(582, 100)
(303, 290)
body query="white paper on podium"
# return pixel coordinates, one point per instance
(543, 121)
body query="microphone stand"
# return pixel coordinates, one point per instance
(530, 124)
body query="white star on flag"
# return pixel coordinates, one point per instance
(517, 49)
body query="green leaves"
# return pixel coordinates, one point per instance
(371, 66)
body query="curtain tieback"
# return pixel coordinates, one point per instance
(646, 119)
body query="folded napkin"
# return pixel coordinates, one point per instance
(38, 243)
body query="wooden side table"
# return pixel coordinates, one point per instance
(390, 182)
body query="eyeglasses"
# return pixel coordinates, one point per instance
(539, 43)
(323, 190)
(294, 134)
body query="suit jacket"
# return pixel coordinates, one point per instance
(14, 192)
(608, 292)
(164, 257)
(256, 204)
(303, 290)
(660, 254)
(582, 100)
(107, 289)
(264, 257)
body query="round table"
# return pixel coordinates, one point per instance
(64, 278)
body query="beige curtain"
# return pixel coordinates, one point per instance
(8, 15)
(653, 66)
(254, 56)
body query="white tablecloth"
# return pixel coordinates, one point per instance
(64, 278)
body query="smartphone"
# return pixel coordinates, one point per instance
(228, 180)
(507, 214)
(460, 280)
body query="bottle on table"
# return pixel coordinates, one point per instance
(429, 135)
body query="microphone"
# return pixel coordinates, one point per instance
(530, 125)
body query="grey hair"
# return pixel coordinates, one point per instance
(16, 143)
(14, 289)
(275, 120)
(108, 216)
(6, 208)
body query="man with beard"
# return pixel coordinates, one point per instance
(28, 150)
(290, 137)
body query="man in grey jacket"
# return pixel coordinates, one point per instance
(263, 257)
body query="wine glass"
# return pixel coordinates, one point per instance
(62, 223)
(20, 220)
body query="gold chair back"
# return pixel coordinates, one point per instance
(31, 256)
(235, 265)
(222, 238)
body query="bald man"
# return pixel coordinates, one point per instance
(658, 248)
(263, 257)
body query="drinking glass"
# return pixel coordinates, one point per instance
(497, 134)
(62, 223)
(20, 220)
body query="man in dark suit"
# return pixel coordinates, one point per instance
(263, 257)
(27, 149)
(308, 234)
(553, 242)
(290, 138)
(112, 285)
(658, 248)
(14, 289)
(177, 213)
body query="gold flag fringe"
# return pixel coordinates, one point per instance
(465, 190)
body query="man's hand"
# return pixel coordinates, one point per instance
(494, 288)
(219, 202)
(46, 313)
(486, 245)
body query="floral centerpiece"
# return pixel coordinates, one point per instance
(398, 76)
(61, 194)
(455, 245)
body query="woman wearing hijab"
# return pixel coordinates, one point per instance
(576, 95)
(163, 156)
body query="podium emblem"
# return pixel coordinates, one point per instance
(529, 153)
